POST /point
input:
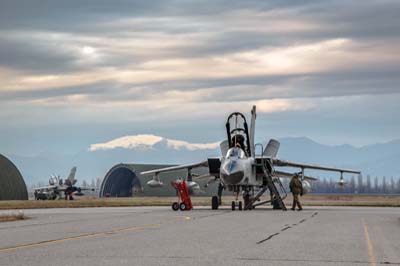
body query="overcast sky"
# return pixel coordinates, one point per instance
(74, 73)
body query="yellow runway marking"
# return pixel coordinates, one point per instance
(127, 229)
(369, 244)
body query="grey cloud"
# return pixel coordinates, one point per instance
(25, 13)
(334, 83)
(85, 16)
(366, 20)
(35, 94)
(242, 88)
(336, 19)
(59, 15)
(34, 57)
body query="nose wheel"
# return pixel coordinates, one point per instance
(237, 204)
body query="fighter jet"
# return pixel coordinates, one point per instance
(241, 170)
(57, 186)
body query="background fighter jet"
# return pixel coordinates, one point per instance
(241, 169)
(57, 186)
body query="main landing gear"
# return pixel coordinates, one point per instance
(68, 196)
(217, 200)
(214, 203)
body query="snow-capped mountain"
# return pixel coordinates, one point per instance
(145, 142)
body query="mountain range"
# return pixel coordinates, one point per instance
(381, 159)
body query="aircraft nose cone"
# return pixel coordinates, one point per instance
(233, 178)
(231, 174)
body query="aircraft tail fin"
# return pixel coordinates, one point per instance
(252, 130)
(272, 148)
(71, 176)
(224, 147)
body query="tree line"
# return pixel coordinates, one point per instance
(354, 185)
(358, 185)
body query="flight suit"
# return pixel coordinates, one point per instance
(296, 187)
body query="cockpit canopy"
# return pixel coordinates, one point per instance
(235, 152)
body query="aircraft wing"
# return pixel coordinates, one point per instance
(290, 175)
(47, 187)
(175, 168)
(87, 188)
(283, 163)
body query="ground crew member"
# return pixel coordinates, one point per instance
(296, 187)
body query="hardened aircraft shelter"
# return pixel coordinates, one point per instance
(12, 185)
(124, 180)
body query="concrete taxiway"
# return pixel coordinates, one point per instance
(160, 236)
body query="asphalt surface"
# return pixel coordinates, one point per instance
(160, 236)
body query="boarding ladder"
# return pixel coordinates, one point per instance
(270, 182)
(274, 184)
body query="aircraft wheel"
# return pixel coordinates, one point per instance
(175, 206)
(214, 203)
(233, 205)
(182, 206)
(240, 206)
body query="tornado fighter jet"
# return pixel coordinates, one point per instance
(57, 186)
(244, 171)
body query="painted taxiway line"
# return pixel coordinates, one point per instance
(371, 252)
(61, 240)
(111, 232)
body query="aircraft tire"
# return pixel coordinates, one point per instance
(182, 206)
(233, 205)
(175, 206)
(214, 203)
(240, 206)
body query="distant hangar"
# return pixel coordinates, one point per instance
(12, 185)
(124, 180)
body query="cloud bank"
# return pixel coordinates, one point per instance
(98, 64)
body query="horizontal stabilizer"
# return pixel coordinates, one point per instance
(272, 148)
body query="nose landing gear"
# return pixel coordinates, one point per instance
(237, 204)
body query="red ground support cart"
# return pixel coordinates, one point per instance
(184, 202)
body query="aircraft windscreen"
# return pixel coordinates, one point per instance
(235, 153)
